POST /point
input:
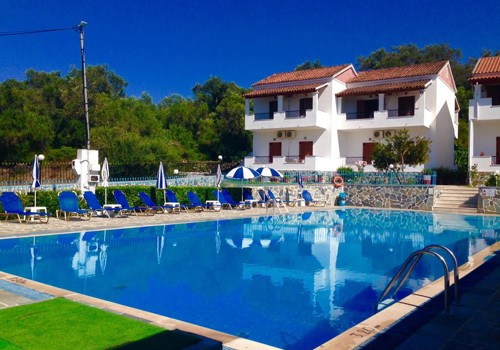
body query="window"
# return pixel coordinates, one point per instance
(406, 105)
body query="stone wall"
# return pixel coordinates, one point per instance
(489, 200)
(416, 197)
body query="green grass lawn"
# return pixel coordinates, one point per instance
(63, 324)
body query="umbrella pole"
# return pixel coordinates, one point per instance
(35, 196)
(164, 197)
(105, 195)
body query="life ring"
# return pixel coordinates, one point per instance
(337, 230)
(338, 181)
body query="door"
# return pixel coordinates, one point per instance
(274, 150)
(273, 107)
(498, 151)
(304, 105)
(368, 151)
(305, 149)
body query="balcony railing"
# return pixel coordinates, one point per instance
(494, 160)
(294, 159)
(294, 114)
(263, 159)
(394, 113)
(264, 116)
(356, 115)
(352, 160)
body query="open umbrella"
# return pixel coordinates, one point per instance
(105, 178)
(269, 172)
(161, 182)
(242, 173)
(36, 176)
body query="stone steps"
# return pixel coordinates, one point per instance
(456, 199)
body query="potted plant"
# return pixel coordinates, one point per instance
(427, 176)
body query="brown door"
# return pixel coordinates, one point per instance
(305, 149)
(498, 151)
(274, 150)
(368, 151)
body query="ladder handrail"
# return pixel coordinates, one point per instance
(455, 269)
(417, 255)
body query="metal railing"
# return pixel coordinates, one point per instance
(394, 113)
(409, 265)
(294, 159)
(356, 115)
(263, 159)
(294, 114)
(264, 116)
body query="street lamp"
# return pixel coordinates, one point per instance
(176, 172)
(497, 174)
(41, 158)
(391, 168)
(220, 158)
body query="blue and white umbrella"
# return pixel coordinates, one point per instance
(269, 172)
(105, 178)
(36, 176)
(161, 182)
(242, 173)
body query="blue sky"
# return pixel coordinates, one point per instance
(166, 47)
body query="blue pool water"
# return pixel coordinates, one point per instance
(291, 281)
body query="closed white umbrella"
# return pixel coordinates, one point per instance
(105, 178)
(161, 182)
(36, 176)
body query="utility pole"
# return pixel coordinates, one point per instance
(80, 27)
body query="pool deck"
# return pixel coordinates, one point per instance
(473, 324)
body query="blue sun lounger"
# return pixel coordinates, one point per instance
(169, 208)
(97, 208)
(121, 199)
(12, 205)
(68, 206)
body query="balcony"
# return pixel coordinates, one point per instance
(385, 119)
(291, 119)
(290, 162)
(483, 109)
(486, 163)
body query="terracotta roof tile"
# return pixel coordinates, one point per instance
(486, 69)
(288, 90)
(400, 72)
(301, 75)
(384, 88)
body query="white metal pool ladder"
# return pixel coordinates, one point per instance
(407, 269)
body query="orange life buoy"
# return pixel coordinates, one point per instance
(337, 230)
(338, 181)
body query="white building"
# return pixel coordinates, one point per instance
(325, 118)
(484, 115)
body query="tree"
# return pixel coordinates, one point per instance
(401, 150)
(308, 65)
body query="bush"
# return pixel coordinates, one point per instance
(448, 176)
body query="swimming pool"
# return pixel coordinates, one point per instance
(289, 281)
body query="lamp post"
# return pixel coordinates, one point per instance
(391, 168)
(176, 172)
(497, 174)
(80, 27)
